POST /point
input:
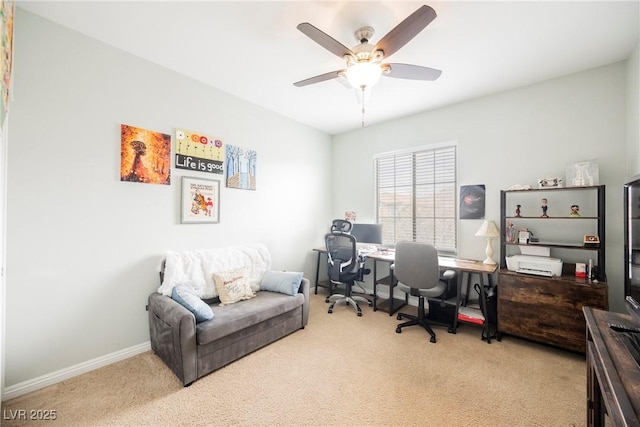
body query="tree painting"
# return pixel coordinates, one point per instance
(6, 56)
(145, 156)
(241, 167)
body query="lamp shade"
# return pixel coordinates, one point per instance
(488, 229)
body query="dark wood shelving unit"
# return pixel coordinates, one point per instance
(599, 217)
(575, 246)
(549, 309)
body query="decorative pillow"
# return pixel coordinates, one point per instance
(285, 282)
(232, 286)
(187, 297)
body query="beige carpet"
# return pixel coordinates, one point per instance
(341, 370)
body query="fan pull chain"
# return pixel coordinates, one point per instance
(362, 87)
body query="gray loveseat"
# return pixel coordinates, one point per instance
(193, 349)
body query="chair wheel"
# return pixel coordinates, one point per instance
(359, 314)
(330, 311)
(433, 339)
(398, 330)
(399, 316)
(326, 299)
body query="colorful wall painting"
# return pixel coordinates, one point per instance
(145, 156)
(6, 54)
(200, 200)
(241, 168)
(198, 152)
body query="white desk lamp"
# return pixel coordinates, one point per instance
(489, 229)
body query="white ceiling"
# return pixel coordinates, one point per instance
(254, 51)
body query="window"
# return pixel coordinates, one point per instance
(416, 196)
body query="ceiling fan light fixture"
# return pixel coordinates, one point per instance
(364, 61)
(363, 74)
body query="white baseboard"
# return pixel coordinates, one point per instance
(72, 371)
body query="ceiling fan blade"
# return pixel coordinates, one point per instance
(406, 30)
(324, 40)
(320, 78)
(411, 72)
(342, 79)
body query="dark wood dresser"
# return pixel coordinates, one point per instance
(547, 310)
(613, 376)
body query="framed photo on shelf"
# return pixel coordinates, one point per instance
(200, 202)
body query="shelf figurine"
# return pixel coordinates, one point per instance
(575, 211)
(510, 233)
(518, 210)
(544, 209)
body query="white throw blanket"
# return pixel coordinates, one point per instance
(196, 268)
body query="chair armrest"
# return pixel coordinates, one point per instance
(448, 274)
(172, 331)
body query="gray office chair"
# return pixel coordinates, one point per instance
(418, 273)
(345, 267)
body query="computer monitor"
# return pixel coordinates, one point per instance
(367, 233)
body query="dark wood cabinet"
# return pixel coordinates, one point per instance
(632, 238)
(547, 310)
(613, 375)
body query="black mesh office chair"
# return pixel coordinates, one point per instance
(418, 273)
(343, 225)
(345, 267)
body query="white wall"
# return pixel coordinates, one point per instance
(633, 113)
(83, 248)
(515, 137)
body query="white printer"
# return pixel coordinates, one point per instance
(536, 261)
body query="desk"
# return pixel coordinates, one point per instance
(391, 305)
(465, 268)
(468, 268)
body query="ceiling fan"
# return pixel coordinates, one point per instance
(364, 62)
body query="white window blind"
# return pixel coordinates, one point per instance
(416, 196)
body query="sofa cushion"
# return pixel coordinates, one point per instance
(186, 296)
(232, 286)
(235, 317)
(285, 282)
